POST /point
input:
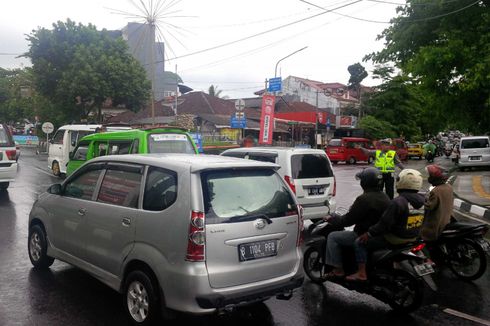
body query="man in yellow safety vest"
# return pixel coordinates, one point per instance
(385, 160)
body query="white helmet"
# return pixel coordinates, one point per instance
(409, 179)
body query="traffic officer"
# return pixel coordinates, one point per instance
(385, 160)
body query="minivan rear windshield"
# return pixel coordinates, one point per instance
(310, 166)
(170, 143)
(335, 142)
(237, 195)
(474, 143)
(5, 137)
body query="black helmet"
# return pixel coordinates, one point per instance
(371, 178)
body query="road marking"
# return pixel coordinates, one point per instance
(466, 316)
(478, 187)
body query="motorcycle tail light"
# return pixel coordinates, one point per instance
(418, 248)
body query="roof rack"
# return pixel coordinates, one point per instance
(166, 126)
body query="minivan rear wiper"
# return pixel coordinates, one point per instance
(244, 218)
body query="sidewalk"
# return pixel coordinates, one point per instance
(472, 194)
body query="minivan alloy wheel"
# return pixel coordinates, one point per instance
(137, 299)
(35, 246)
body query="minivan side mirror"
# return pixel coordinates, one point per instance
(55, 189)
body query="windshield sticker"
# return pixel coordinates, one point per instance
(167, 137)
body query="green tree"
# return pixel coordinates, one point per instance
(375, 128)
(214, 91)
(78, 68)
(444, 46)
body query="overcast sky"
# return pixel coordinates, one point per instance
(239, 69)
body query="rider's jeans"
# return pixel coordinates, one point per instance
(338, 239)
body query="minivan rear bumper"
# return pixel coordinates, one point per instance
(8, 170)
(217, 300)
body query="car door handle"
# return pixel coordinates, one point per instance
(126, 221)
(82, 211)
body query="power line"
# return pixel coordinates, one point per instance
(262, 33)
(413, 4)
(389, 22)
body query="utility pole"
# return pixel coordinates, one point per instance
(316, 120)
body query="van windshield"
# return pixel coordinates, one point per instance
(474, 143)
(170, 143)
(243, 195)
(310, 166)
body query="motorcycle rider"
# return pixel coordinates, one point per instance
(400, 222)
(430, 150)
(364, 212)
(385, 160)
(438, 205)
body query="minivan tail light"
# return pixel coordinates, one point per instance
(290, 182)
(300, 226)
(196, 242)
(11, 154)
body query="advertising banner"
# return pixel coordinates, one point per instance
(267, 119)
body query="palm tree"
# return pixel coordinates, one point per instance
(214, 91)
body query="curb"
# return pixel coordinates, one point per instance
(471, 208)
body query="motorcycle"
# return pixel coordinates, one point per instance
(463, 249)
(394, 274)
(429, 156)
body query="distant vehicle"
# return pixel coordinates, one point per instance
(64, 141)
(308, 172)
(192, 233)
(474, 151)
(8, 153)
(134, 141)
(344, 150)
(398, 145)
(415, 150)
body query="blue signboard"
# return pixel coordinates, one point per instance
(275, 84)
(197, 138)
(26, 140)
(238, 123)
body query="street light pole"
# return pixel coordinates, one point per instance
(275, 70)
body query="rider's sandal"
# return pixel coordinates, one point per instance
(355, 278)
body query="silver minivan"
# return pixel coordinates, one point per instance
(474, 151)
(308, 172)
(173, 231)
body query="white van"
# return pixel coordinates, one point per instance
(66, 139)
(474, 151)
(307, 171)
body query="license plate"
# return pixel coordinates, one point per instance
(333, 151)
(475, 158)
(484, 244)
(315, 191)
(423, 269)
(256, 250)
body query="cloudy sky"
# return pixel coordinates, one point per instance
(229, 43)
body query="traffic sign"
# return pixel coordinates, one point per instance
(239, 104)
(275, 84)
(47, 127)
(238, 121)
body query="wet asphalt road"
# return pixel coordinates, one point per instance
(64, 295)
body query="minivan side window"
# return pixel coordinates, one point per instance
(262, 157)
(309, 166)
(135, 147)
(119, 148)
(160, 189)
(100, 149)
(80, 153)
(120, 187)
(83, 186)
(58, 137)
(73, 137)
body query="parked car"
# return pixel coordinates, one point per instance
(474, 151)
(307, 171)
(193, 233)
(8, 162)
(415, 150)
(344, 150)
(151, 140)
(64, 141)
